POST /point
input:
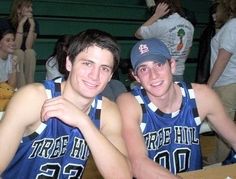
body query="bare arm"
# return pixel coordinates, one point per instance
(219, 66)
(20, 33)
(142, 166)
(12, 79)
(116, 153)
(161, 10)
(31, 36)
(12, 76)
(213, 109)
(106, 146)
(19, 116)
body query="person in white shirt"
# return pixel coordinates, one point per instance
(223, 64)
(168, 25)
(8, 67)
(55, 64)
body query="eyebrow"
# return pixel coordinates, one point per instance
(103, 65)
(142, 65)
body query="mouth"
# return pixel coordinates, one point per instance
(90, 84)
(157, 84)
(10, 49)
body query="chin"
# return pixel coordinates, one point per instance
(10, 51)
(91, 93)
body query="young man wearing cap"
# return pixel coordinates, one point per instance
(161, 118)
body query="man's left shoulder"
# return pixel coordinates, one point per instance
(107, 103)
(201, 89)
(110, 110)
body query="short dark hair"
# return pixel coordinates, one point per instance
(96, 37)
(3, 32)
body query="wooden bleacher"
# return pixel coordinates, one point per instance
(121, 18)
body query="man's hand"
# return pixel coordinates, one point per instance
(64, 110)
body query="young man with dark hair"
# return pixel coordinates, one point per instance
(50, 129)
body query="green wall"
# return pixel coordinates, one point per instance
(121, 18)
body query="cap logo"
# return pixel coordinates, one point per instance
(143, 48)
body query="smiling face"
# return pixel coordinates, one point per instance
(25, 10)
(91, 71)
(7, 44)
(155, 77)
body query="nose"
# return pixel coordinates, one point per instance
(94, 73)
(154, 73)
(30, 9)
(12, 42)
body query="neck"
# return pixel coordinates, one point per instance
(79, 101)
(169, 102)
(3, 55)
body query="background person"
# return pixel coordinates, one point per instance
(26, 29)
(168, 25)
(113, 89)
(55, 64)
(8, 67)
(204, 52)
(223, 65)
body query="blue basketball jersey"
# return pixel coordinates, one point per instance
(55, 150)
(172, 140)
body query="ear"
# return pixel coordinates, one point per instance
(135, 76)
(172, 65)
(110, 77)
(68, 64)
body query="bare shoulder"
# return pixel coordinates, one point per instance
(202, 91)
(127, 101)
(129, 107)
(109, 108)
(108, 104)
(26, 103)
(31, 93)
(206, 99)
(126, 98)
(110, 115)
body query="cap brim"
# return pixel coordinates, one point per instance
(150, 57)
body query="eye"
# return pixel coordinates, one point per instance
(87, 63)
(159, 66)
(8, 40)
(142, 69)
(106, 69)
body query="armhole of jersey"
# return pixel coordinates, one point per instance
(192, 97)
(143, 123)
(48, 93)
(37, 132)
(41, 127)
